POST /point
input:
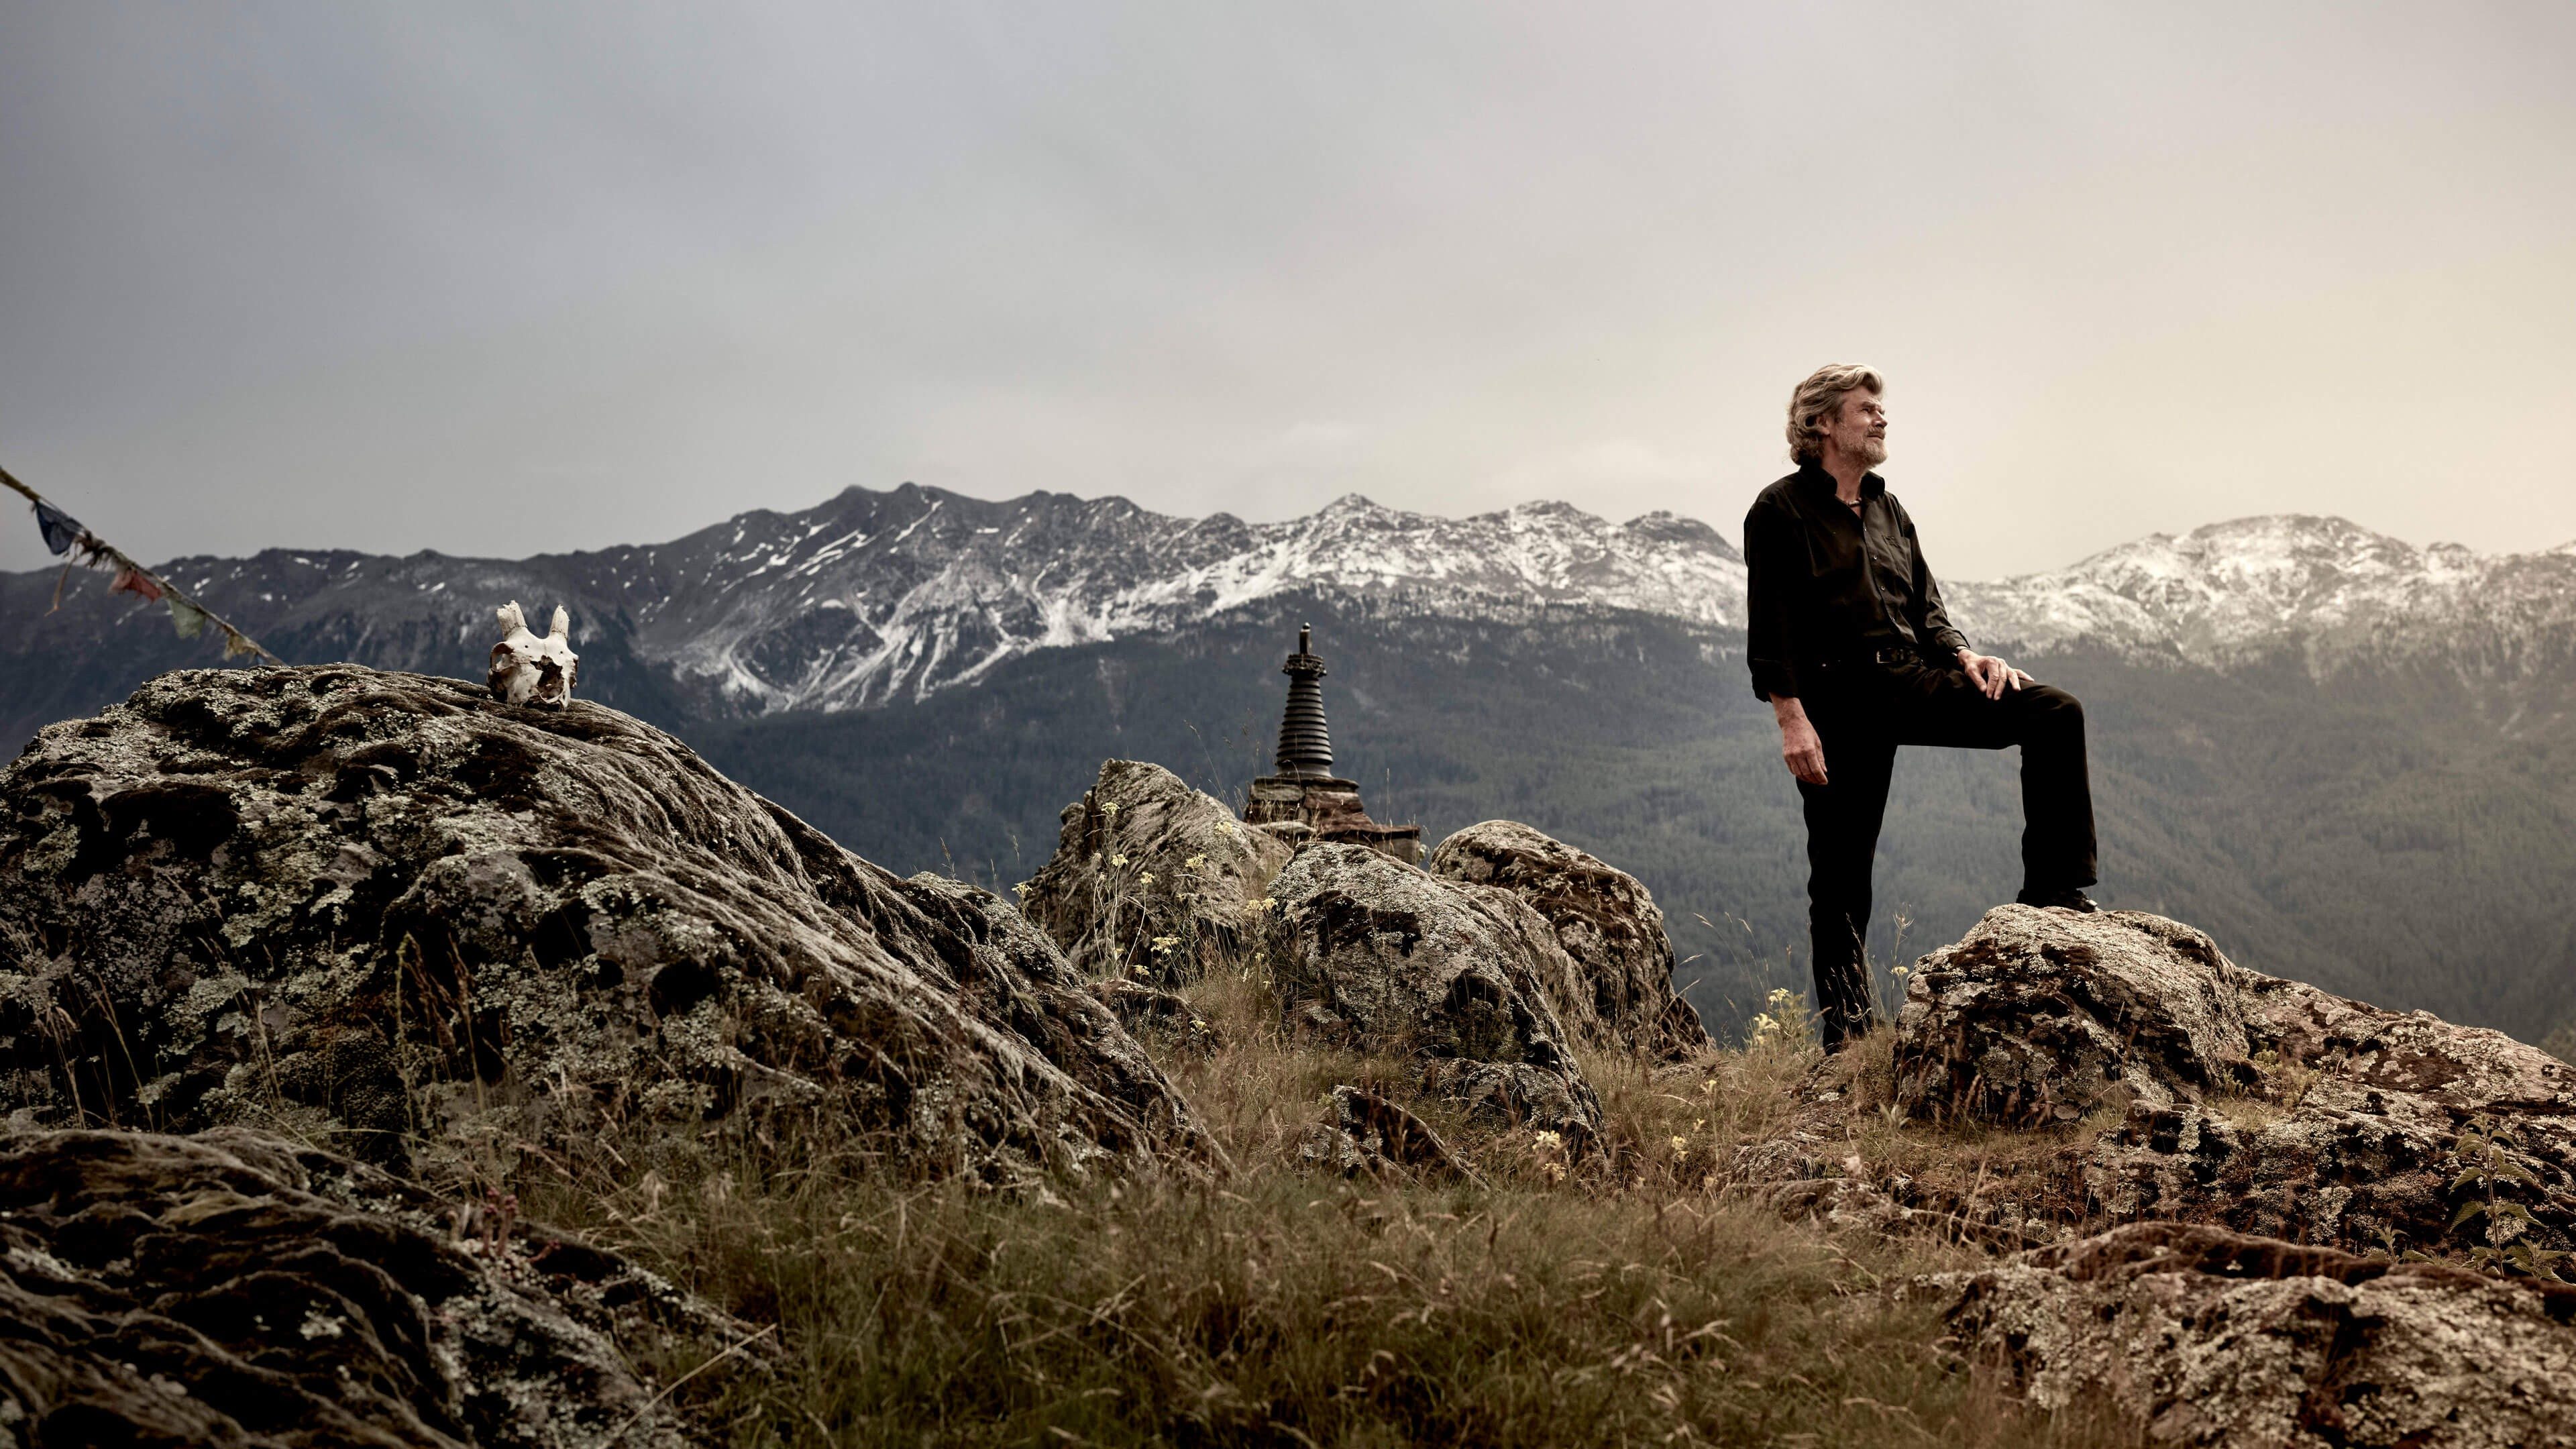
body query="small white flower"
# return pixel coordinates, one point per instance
(1117, 860)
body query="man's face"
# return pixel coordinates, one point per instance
(1859, 428)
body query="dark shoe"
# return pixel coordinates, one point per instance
(2069, 899)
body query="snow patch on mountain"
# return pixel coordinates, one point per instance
(2325, 589)
(950, 587)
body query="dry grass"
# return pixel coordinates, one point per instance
(1637, 1300)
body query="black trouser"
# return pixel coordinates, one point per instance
(1862, 712)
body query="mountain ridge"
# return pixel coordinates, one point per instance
(872, 596)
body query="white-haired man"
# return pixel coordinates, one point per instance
(1848, 641)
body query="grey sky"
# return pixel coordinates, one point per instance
(501, 279)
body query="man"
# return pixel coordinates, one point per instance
(1848, 641)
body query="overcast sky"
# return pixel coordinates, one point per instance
(502, 279)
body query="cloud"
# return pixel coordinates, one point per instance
(333, 275)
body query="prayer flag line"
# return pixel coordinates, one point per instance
(64, 534)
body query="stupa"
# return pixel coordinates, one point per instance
(1306, 790)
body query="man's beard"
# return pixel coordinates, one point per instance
(1873, 451)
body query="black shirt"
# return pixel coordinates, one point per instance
(1827, 582)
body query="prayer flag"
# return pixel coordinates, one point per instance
(235, 644)
(60, 529)
(185, 617)
(135, 581)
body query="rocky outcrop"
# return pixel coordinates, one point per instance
(2040, 1015)
(1370, 1136)
(1382, 957)
(1605, 919)
(381, 905)
(2210, 1337)
(1152, 878)
(2230, 1097)
(238, 1289)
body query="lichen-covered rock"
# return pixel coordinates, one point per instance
(1370, 1136)
(1606, 920)
(1383, 957)
(2036, 1014)
(383, 905)
(238, 1289)
(2215, 1338)
(1152, 878)
(2234, 1098)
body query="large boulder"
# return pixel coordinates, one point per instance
(238, 1289)
(381, 905)
(1151, 877)
(2209, 1337)
(2036, 1014)
(1606, 920)
(1382, 957)
(2234, 1098)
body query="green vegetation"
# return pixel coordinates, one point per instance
(1633, 1299)
(2399, 838)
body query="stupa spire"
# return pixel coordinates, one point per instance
(1305, 744)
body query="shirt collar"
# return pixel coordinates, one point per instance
(1814, 478)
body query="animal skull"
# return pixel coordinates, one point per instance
(530, 670)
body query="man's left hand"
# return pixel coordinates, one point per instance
(1992, 676)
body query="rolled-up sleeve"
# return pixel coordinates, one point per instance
(1775, 568)
(1935, 629)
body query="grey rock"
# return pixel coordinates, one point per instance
(238, 1289)
(2035, 1015)
(2210, 1337)
(1606, 920)
(387, 907)
(1383, 957)
(1373, 1137)
(1152, 877)
(2240, 1099)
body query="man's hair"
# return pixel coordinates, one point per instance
(1818, 399)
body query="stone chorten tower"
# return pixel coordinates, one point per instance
(1306, 791)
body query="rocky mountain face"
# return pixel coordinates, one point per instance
(876, 596)
(872, 597)
(2324, 590)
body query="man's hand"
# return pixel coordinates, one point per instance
(1992, 676)
(1799, 748)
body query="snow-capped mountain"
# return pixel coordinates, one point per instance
(876, 596)
(2325, 588)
